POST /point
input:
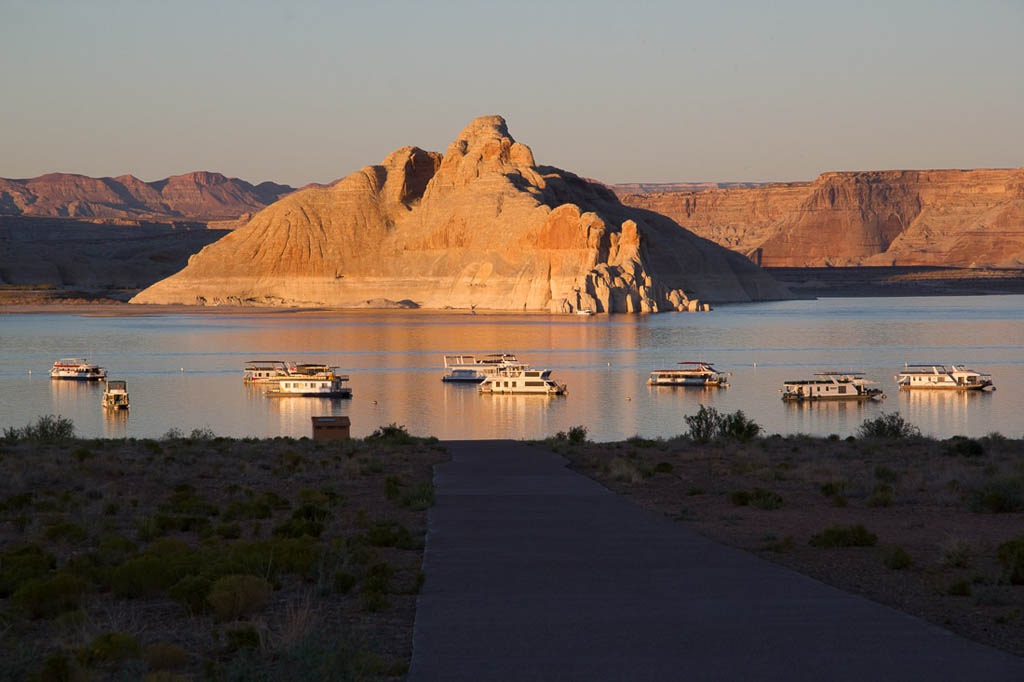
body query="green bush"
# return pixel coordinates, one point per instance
(737, 427)
(57, 667)
(844, 536)
(191, 592)
(247, 510)
(235, 596)
(19, 566)
(641, 442)
(758, 497)
(109, 647)
(392, 434)
(663, 468)
(185, 501)
(888, 425)
(577, 434)
(392, 487)
(896, 558)
(344, 582)
(998, 496)
(704, 425)
(66, 531)
(245, 637)
(51, 428)
(229, 531)
(1011, 557)
(306, 520)
(964, 447)
(959, 588)
(419, 497)
(882, 496)
(388, 534)
(740, 498)
(48, 597)
(833, 488)
(165, 656)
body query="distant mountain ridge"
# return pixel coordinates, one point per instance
(200, 195)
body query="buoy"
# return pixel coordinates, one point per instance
(182, 369)
(755, 363)
(628, 398)
(30, 371)
(609, 364)
(373, 402)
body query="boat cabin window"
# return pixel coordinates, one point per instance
(535, 383)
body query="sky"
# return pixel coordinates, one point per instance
(616, 91)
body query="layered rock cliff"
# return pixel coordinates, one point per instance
(198, 196)
(935, 217)
(480, 226)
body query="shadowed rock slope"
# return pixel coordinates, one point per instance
(482, 226)
(965, 218)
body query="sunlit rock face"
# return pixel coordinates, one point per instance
(932, 217)
(480, 226)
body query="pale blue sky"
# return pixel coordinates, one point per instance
(619, 91)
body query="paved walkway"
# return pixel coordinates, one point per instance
(535, 572)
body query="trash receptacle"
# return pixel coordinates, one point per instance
(331, 428)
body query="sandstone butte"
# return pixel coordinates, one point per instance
(480, 226)
(194, 196)
(967, 218)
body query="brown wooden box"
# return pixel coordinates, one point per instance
(331, 428)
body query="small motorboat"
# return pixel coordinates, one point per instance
(115, 396)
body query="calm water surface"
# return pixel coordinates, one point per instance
(394, 359)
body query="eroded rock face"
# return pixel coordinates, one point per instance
(936, 217)
(194, 196)
(480, 226)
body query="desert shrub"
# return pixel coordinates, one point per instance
(641, 442)
(1011, 557)
(109, 647)
(663, 468)
(738, 427)
(704, 425)
(896, 558)
(959, 588)
(204, 433)
(51, 428)
(392, 434)
(419, 497)
(48, 597)
(844, 536)
(621, 469)
(66, 531)
(786, 544)
(957, 554)
(392, 487)
(165, 656)
(235, 596)
(964, 447)
(111, 509)
(881, 496)
(191, 592)
(229, 531)
(884, 474)
(158, 568)
(270, 557)
(765, 499)
(246, 510)
(19, 566)
(17, 502)
(889, 425)
(344, 582)
(185, 500)
(740, 498)
(378, 577)
(388, 534)
(998, 496)
(58, 667)
(577, 434)
(245, 637)
(306, 520)
(833, 488)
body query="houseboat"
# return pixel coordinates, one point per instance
(115, 396)
(690, 374)
(77, 369)
(265, 371)
(327, 385)
(831, 386)
(471, 369)
(523, 381)
(938, 377)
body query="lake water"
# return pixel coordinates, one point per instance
(395, 358)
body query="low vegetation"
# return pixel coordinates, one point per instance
(930, 527)
(200, 557)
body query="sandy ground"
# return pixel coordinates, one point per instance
(206, 507)
(939, 515)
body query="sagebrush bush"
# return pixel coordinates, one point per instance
(738, 427)
(306, 520)
(165, 656)
(419, 497)
(108, 647)
(392, 434)
(844, 536)
(20, 565)
(703, 425)
(66, 531)
(964, 447)
(51, 596)
(50, 428)
(888, 425)
(191, 592)
(1011, 557)
(235, 596)
(896, 558)
(245, 637)
(577, 434)
(998, 496)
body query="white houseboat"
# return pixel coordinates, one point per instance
(689, 374)
(469, 368)
(77, 369)
(938, 377)
(327, 385)
(115, 396)
(831, 386)
(265, 371)
(523, 381)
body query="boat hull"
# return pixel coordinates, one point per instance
(344, 393)
(954, 387)
(65, 377)
(691, 382)
(830, 398)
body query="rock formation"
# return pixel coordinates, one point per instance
(199, 196)
(481, 226)
(936, 217)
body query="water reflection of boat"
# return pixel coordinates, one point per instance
(115, 396)
(845, 385)
(689, 374)
(77, 369)
(937, 377)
